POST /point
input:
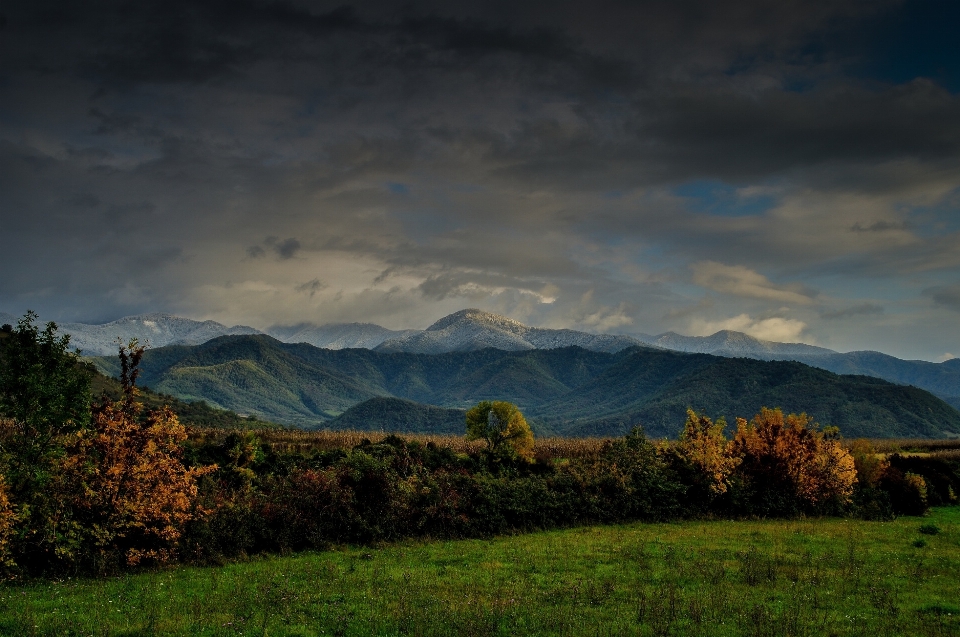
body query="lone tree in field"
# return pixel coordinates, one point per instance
(503, 427)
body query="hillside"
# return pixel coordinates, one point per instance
(473, 330)
(398, 415)
(569, 391)
(861, 406)
(195, 414)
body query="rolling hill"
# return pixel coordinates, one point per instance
(570, 391)
(398, 414)
(470, 330)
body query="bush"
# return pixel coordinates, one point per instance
(908, 491)
(788, 466)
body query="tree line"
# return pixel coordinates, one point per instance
(101, 485)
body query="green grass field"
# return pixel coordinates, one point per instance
(803, 577)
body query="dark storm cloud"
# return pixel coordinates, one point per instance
(557, 159)
(287, 249)
(947, 296)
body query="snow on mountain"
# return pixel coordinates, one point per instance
(154, 330)
(474, 329)
(337, 335)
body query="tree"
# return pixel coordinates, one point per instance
(705, 449)
(44, 388)
(790, 464)
(503, 427)
(45, 400)
(138, 495)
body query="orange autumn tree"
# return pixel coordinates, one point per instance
(790, 464)
(137, 491)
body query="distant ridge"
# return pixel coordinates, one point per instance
(735, 344)
(337, 335)
(472, 329)
(567, 391)
(156, 329)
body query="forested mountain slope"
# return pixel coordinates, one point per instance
(569, 391)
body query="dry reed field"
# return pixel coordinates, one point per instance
(307, 442)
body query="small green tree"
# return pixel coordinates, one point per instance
(503, 427)
(44, 402)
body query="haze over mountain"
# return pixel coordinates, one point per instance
(730, 343)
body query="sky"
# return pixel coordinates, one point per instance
(789, 169)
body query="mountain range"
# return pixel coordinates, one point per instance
(472, 329)
(568, 391)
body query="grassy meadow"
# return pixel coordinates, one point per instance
(797, 577)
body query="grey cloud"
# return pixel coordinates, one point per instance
(947, 296)
(83, 200)
(879, 226)
(863, 309)
(287, 249)
(311, 287)
(543, 144)
(468, 284)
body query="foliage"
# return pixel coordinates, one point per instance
(136, 492)
(43, 388)
(8, 520)
(503, 427)
(789, 465)
(45, 397)
(908, 491)
(703, 447)
(869, 464)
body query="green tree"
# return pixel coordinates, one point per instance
(503, 427)
(44, 402)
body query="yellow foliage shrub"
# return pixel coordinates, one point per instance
(703, 445)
